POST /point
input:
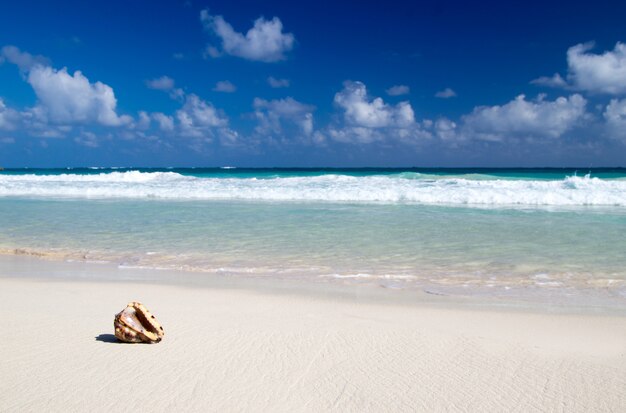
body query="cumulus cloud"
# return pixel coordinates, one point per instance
(368, 120)
(24, 60)
(277, 83)
(524, 118)
(359, 110)
(143, 120)
(9, 118)
(197, 118)
(445, 94)
(35, 121)
(66, 98)
(445, 129)
(264, 42)
(62, 98)
(224, 86)
(166, 123)
(165, 84)
(273, 114)
(550, 81)
(615, 116)
(598, 73)
(398, 90)
(594, 73)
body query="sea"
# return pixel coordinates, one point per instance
(552, 235)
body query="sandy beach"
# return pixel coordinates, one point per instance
(241, 349)
(270, 206)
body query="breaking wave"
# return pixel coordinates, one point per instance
(388, 189)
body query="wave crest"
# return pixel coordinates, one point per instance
(571, 191)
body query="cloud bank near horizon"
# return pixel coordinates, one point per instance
(70, 105)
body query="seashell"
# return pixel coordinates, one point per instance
(135, 324)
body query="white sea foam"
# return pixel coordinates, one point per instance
(571, 191)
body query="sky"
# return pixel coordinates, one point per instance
(306, 84)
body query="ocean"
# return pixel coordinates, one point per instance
(554, 235)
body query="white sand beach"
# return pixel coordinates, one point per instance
(324, 207)
(238, 349)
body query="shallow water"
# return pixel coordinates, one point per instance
(547, 236)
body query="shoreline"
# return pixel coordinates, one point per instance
(239, 347)
(48, 267)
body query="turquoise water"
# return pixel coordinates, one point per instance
(265, 173)
(548, 234)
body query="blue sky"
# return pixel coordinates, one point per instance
(206, 83)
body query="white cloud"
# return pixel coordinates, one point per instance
(615, 116)
(264, 42)
(355, 135)
(523, 118)
(368, 120)
(8, 140)
(24, 60)
(166, 123)
(398, 90)
(197, 118)
(277, 83)
(445, 129)
(143, 121)
(224, 86)
(363, 112)
(554, 81)
(446, 93)
(9, 118)
(35, 122)
(65, 98)
(597, 73)
(165, 84)
(273, 113)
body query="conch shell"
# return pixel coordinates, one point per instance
(135, 324)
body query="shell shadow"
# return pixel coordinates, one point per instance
(108, 338)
